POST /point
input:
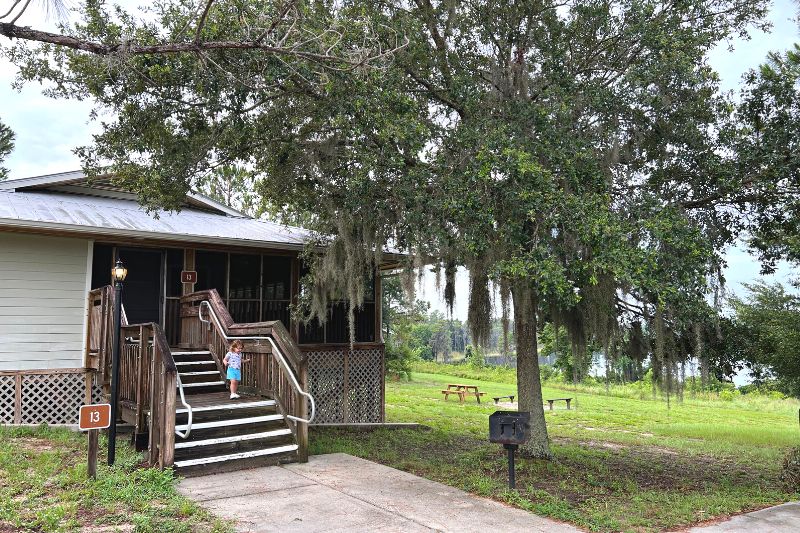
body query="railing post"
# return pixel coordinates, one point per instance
(153, 436)
(302, 404)
(168, 412)
(141, 363)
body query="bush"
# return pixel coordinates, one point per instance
(791, 469)
(728, 395)
(549, 373)
(473, 356)
(399, 359)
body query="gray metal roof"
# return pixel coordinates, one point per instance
(77, 181)
(83, 214)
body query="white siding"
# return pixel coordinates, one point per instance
(42, 301)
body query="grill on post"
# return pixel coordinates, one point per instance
(510, 428)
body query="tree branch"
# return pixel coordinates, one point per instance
(202, 21)
(12, 31)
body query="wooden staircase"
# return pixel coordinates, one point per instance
(226, 434)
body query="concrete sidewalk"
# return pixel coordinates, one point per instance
(779, 519)
(339, 492)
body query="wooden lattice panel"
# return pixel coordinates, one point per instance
(52, 398)
(347, 386)
(326, 382)
(364, 396)
(7, 400)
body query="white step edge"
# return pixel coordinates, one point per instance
(235, 438)
(231, 422)
(202, 384)
(189, 363)
(231, 457)
(245, 405)
(198, 352)
(200, 373)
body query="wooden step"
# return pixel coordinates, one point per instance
(234, 456)
(230, 422)
(234, 438)
(192, 363)
(225, 406)
(202, 384)
(191, 352)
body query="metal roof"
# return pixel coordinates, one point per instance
(77, 179)
(118, 217)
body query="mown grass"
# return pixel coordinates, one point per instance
(44, 487)
(621, 464)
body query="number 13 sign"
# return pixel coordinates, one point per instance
(96, 416)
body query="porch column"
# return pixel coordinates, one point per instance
(188, 264)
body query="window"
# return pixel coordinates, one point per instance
(336, 329)
(101, 265)
(244, 301)
(174, 269)
(277, 293)
(212, 271)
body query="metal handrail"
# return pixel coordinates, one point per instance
(276, 351)
(188, 409)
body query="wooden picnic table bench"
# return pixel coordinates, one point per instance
(568, 400)
(462, 391)
(498, 398)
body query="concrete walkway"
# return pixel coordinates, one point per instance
(339, 492)
(779, 519)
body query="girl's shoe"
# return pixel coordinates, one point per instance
(234, 396)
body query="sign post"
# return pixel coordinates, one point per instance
(92, 418)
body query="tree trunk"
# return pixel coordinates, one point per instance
(529, 385)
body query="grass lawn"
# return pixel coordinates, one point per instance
(621, 464)
(43, 487)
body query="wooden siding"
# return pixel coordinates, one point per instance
(42, 301)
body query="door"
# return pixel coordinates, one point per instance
(143, 289)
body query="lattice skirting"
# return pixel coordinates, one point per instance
(45, 397)
(347, 385)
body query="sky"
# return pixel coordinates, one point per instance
(47, 131)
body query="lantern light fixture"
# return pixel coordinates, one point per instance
(119, 272)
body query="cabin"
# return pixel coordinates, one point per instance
(196, 280)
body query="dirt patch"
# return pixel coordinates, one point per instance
(34, 444)
(655, 467)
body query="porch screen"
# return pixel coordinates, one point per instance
(335, 330)
(244, 301)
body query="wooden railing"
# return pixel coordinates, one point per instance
(99, 334)
(264, 374)
(147, 374)
(147, 386)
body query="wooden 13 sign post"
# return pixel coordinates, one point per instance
(93, 418)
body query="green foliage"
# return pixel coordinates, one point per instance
(646, 468)
(52, 493)
(769, 319)
(6, 147)
(399, 360)
(473, 356)
(791, 469)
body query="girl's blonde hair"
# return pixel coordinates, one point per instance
(237, 344)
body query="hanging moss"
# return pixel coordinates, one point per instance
(479, 312)
(450, 285)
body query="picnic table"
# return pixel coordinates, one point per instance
(462, 391)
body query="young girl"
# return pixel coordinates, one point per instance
(233, 361)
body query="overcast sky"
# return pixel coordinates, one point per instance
(47, 131)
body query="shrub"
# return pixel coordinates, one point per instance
(791, 469)
(474, 357)
(399, 359)
(549, 373)
(728, 395)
